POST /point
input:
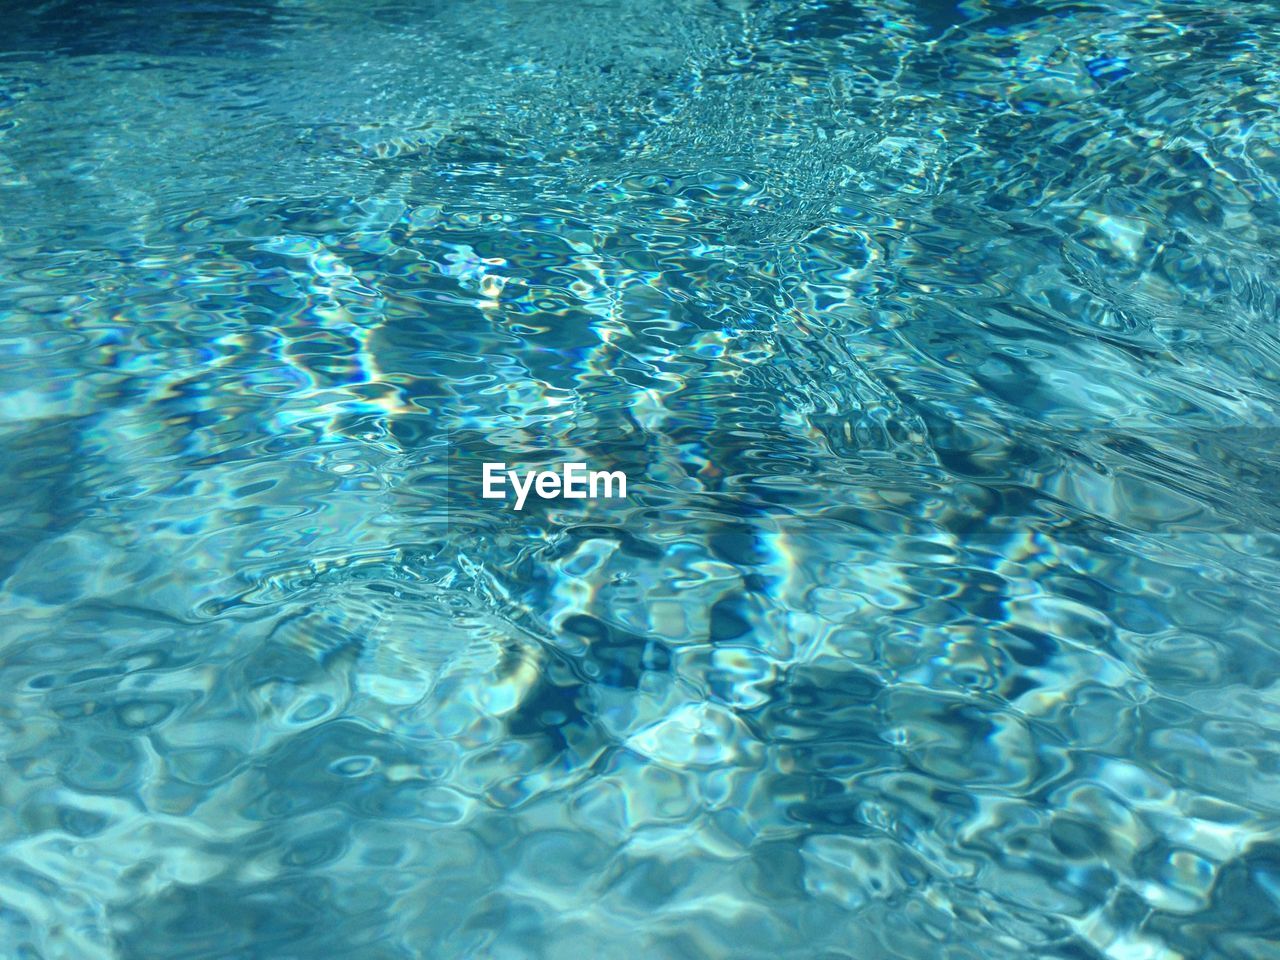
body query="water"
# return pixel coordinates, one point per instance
(939, 341)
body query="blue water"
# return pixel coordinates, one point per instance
(938, 340)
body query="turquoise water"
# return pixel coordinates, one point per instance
(939, 344)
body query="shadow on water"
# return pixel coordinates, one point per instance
(155, 28)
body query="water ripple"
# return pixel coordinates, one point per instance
(937, 340)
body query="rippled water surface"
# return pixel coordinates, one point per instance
(939, 343)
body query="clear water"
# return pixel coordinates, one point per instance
(940, 340)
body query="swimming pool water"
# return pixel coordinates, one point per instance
(938, 340)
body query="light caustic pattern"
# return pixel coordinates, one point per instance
(939, 342)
